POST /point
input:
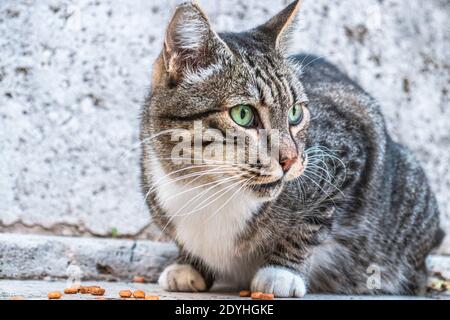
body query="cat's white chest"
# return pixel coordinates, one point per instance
(208, 221)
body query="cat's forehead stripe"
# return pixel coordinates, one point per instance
(273, 86)
(193, 77)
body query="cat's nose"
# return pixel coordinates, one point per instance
(287, 163)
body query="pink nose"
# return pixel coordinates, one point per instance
(287, 163)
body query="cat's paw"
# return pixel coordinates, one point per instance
(282, 282)
(181, 278)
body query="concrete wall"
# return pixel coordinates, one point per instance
(73, 75)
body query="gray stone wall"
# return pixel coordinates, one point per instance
(73, 75)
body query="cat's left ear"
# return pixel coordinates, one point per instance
(277, 31)
(190, 42)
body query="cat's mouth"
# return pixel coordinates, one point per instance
(270, 185)
(268, 189)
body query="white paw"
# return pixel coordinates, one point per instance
(181, 277)
(282, 282)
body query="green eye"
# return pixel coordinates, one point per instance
(243, 115)
(295, 114)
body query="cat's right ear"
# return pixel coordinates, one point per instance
(277, 32)
(190, 42)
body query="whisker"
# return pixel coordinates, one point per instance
(202, 186)
(226, 189)
(138, 144)
(201, 194)
(184, 169)
(234, 194)
(329, 182)
(318, 185)
(158, 183)
(171, 217)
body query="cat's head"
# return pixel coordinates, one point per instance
(207, 87)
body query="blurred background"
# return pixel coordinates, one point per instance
(73, 75)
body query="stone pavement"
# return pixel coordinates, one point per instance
(35, 257)
(31, 266)
(37, 290)
(51, 257)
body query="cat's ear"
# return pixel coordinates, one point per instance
(190, 41)
(278, 30)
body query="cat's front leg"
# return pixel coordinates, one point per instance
(284, 274)
(182, 278)
(281, 281)
(185, 276)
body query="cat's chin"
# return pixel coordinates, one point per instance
(268, 191)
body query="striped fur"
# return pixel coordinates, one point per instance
(362, 208)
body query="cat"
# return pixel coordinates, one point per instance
(340, 208)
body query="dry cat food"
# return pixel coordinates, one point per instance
(88, 290)
(267, 296)
(139, 294)
(94, 290)
(151, 298)
(54, 295)
(139, 279)
(125, 293)
(256, 295)
(245, 293)
(84, 290)
(97, 291)
(71, 290)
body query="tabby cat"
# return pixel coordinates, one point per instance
(340, 208)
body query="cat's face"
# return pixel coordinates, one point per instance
(227, 110)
